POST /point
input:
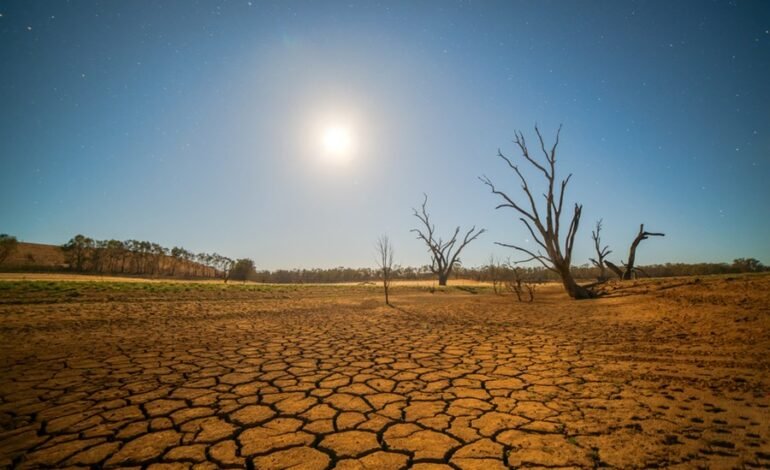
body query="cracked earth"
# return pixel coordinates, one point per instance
(662, 373)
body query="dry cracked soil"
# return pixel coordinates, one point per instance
(660, 373)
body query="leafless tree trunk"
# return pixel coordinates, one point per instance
(614, 268)
(531, 290)
(515, 287)
(630, 270)
(385, 262)
(546, 231)
(494, 271)
(444, 256)
(601, 253)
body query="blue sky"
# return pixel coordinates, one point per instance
(198, 123)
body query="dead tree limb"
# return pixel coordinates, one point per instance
(614, 268)
(531, 288)
(444, 254)
(630, 270)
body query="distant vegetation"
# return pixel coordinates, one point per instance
(498, 271)
(243, 270)
(141, 258)
(84, 254)
(502, 272)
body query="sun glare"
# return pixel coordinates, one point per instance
(337, 142)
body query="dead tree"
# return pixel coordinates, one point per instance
(444, 255)
(601, 253)
(546, 220)
(517, 286)
(385, 263)
(630, 269)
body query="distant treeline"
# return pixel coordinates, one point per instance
(84, 254)
(144, 258)
(502, 272)
(496, 272)
(339, 274)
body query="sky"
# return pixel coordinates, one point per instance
(201, 124)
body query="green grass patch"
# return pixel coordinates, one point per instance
(45, 291)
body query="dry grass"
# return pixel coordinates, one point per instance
(27, 255)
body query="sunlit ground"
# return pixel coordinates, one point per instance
(119, 373)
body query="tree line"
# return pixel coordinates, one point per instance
(494, 270)
(143, 258)
(503, 271)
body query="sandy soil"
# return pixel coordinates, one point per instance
(660, 373)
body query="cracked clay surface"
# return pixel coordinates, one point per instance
(667, 373)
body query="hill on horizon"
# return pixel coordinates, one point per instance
(28, 256)
(34, 257)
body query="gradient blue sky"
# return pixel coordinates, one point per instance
(197, 123)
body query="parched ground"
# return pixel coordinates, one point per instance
(660, 373)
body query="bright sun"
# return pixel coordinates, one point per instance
(337, 143)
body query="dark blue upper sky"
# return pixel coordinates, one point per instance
(197, 123)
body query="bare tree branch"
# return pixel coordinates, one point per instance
(525, 152)
(601, 253)
(544, 260)
(632, 252)
(534, 237)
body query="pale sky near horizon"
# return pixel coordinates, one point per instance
(202, 124)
